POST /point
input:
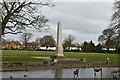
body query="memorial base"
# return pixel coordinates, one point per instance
(59, 55)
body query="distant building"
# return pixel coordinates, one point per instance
(73, 48)
(49, 48)
(11, 45)
(31, 45)
(111, 48)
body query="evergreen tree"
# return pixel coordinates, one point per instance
(98, 48)
(85, 47)
(92, 46)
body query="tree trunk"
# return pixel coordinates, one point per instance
(26, 45)
(0, 40)
(5, 21)
(0, 36)
(108, 50)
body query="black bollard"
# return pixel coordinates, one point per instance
(11, 77)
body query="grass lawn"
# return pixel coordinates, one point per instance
(19, 55)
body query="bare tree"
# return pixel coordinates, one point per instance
(116, 16)
(116, 39)
(68, 42)
(37, 40)
(25, 37)
(106, 38)
(47, 41)
(106, 35)
(112, 33)
(115, 24)
(17, 16)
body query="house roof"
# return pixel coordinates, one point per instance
(14, 42)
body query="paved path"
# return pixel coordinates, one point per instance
(48, 58)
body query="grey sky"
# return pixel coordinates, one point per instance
(85, 20)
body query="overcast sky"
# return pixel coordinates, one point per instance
(85, 20)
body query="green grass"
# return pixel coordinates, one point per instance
(92, 56)
(19, 55)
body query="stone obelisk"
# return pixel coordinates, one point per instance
(59, 47)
